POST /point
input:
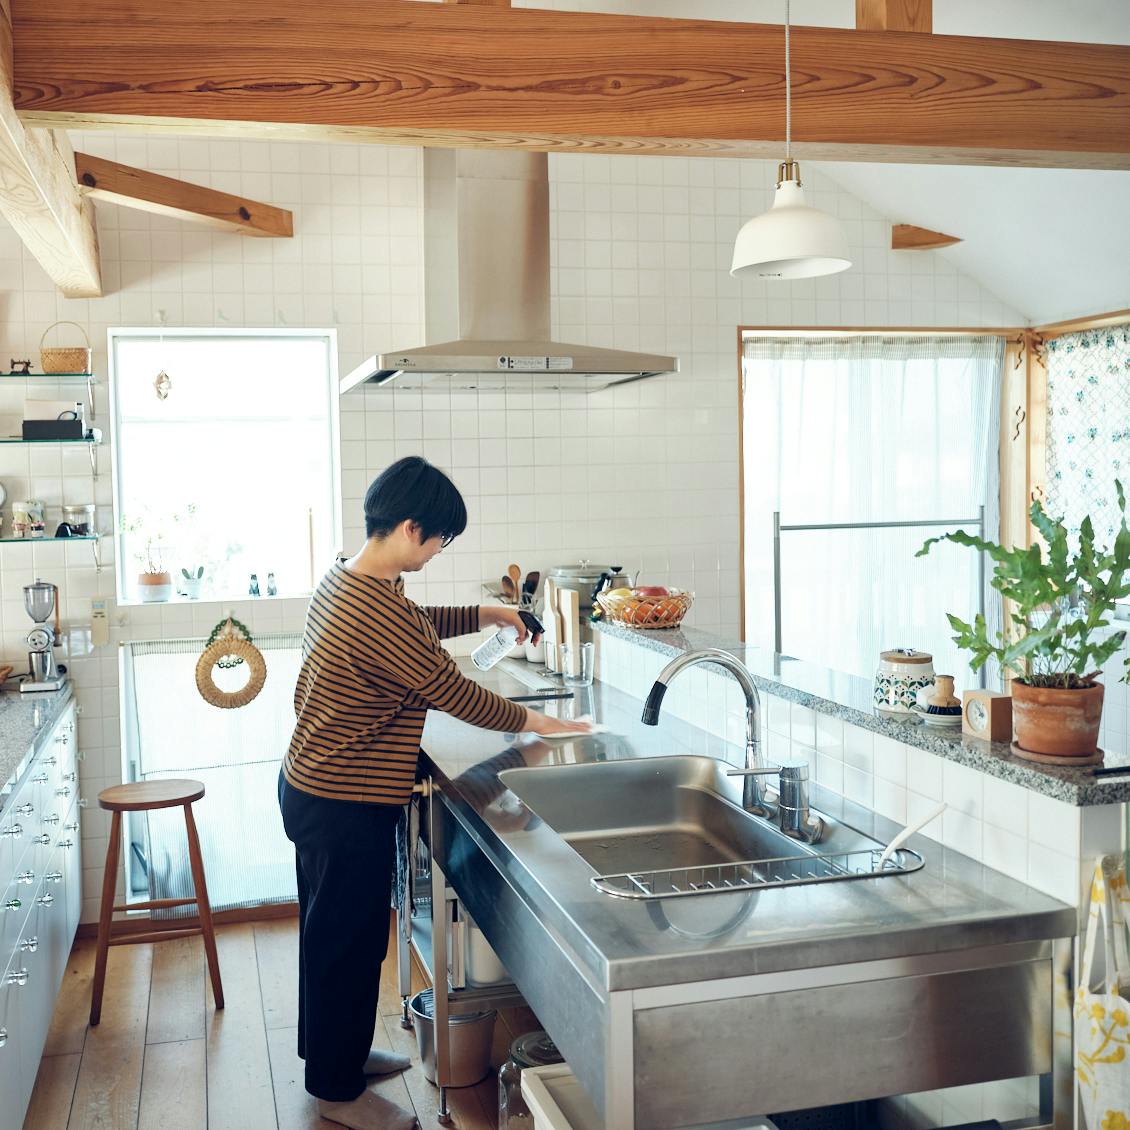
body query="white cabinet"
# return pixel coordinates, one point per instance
(40, 901)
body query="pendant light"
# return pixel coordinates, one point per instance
(791, 240)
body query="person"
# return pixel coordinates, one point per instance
(372, 666)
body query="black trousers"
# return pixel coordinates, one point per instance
(345, 854)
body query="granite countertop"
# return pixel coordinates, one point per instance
(848, 697)
(952, 903)
(24, 719)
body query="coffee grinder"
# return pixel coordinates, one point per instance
(39, 601)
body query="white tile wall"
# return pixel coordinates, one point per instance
(646, 474)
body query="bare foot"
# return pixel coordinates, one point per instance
(368, 1112)
(381, 1062)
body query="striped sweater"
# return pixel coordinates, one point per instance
(372, 666)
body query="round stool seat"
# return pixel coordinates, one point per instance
(141, 796)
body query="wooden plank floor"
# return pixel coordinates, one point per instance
(163, 1058)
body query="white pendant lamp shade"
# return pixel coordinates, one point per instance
(791, 240)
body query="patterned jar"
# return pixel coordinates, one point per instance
(902, 673)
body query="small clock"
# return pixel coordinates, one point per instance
(987, 715)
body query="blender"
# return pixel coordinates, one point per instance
(39, 602)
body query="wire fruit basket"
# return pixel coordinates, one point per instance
(646, 611)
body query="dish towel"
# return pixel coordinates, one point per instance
(1102, 1013)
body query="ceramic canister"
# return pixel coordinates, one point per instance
(902, 673)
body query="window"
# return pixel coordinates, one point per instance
(224, 461)
(862, 447)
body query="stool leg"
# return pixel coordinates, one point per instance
(105, 916)
(203, 906)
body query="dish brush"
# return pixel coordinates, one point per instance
(940, 699)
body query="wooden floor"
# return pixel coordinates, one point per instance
(164, 1059)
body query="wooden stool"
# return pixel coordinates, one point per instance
(145, 796)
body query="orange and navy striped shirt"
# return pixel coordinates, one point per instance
(372, 666)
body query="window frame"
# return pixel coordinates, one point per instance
(115, 334)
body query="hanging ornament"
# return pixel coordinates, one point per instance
(225, 649)
(163, 385)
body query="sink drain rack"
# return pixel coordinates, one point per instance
(758, 874)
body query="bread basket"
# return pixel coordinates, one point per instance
(646, 611)
(65, 358)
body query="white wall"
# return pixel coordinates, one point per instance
(646, 475)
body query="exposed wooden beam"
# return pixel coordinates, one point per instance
(413, 73)
(151, 192)
(906, 237)
(38, 196)
(894, 15)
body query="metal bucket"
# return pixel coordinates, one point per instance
(469, 1039)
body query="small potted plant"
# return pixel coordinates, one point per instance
(1055, 641)
(154, 582)
(193, 579)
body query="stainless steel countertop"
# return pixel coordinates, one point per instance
(953, 903)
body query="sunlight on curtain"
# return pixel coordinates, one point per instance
(170, 731)
(876, 429)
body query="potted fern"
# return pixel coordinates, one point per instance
(1055, 641)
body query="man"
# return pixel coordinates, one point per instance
(372, 667)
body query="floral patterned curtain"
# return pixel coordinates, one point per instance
(1088, 444)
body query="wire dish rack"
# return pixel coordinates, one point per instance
(758, 874)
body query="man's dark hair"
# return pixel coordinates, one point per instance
(413, 489)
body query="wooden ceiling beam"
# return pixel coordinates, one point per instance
(907, 237)
(38, 196)
(101, 179)
(398, 71)
(894, 15)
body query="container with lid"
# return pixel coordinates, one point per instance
(534, 1049)
(584, 577)
(902, 672)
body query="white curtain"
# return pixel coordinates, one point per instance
(168, 730)
(867, 430)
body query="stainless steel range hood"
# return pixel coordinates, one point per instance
(486, 288)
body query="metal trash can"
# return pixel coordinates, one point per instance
(470, 1039)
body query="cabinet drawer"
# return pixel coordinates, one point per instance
(15, 903)
(11, 1035)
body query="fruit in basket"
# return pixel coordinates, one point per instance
(619, 594)
(669, 609)
(650, 590)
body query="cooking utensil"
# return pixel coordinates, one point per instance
(515, 575)
(569, 624)
(530, 585)
(549, 617)
(909, 831)
(509, 592)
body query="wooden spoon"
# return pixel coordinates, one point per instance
(509, 592)
(515, 577)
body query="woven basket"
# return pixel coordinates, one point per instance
(64, 359)
(646, 611)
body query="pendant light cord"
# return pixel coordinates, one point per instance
(788, 90)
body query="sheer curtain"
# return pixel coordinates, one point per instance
(868, 430)
(168, 730)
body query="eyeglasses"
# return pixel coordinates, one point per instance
(446, 540)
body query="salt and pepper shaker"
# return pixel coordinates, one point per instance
(253, 588)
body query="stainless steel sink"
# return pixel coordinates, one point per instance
(647, 814)
(664, 826)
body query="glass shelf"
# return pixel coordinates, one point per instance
(40, 541)
(47, 377)
(17, 439)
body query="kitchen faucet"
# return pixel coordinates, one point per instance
(791, 810)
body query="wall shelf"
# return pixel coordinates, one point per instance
(93, 539)
(90, 378)
(18, 439)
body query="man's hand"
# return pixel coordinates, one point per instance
(499, 616)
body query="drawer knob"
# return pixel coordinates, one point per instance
(50, 761)
(3, 1036)
(45, 900)
(17, 977)
(66, 843)
(12, 904)
(24, 809)
(64, 791)
(26, 877)
(52, 819)
(39, 779)
(54, 876)
(14, 830)
(72, 776)
(41, 839)
(71, 827)
(29, 945)
(82, 802)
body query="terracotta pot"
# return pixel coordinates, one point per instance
(154, 587)
(1057, 722)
